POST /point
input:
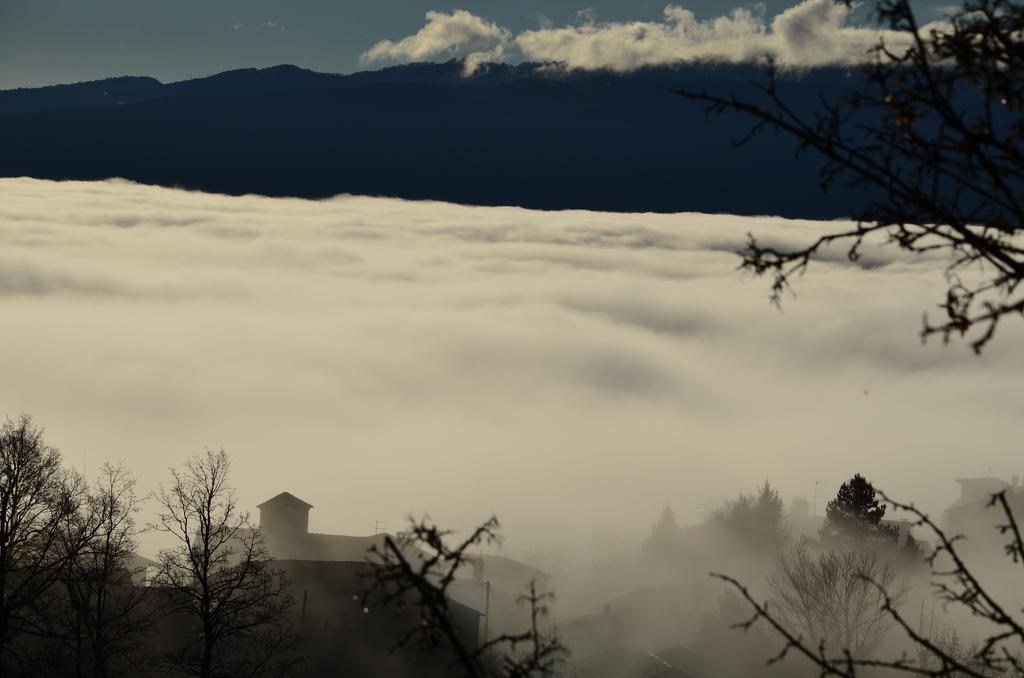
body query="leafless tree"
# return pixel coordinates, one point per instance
(39, 531)
(936, 129)
(835, 597)
(221, 574)
(106, 615)
(949, 641)
(955, 584)
(419, 568)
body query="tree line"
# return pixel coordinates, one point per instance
(76, 600)
(834, 603)
(936, 127)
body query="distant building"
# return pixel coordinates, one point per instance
(345, 636)
(328, 575)
(490, 584)
(904, 531)
(284, 523)
(284, 513)
(494, 585)
(973, 490)
(972, 516)
(509, 572)
(801, 524)
(141, 570)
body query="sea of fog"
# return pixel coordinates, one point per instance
(570, 372)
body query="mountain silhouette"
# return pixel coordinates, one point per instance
(509, 135)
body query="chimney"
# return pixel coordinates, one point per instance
(284, 515)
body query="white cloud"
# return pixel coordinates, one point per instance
(815, 32)
(812, 33)
(627, 46)
(377, 356)
(459, 34)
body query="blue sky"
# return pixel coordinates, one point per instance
(54, 41)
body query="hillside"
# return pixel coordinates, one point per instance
(512, 135)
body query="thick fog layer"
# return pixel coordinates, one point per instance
(570, 372)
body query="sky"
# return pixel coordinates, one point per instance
(60, 41)
(571, 372)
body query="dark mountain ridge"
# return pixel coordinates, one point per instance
(508, 135)
(288, 78)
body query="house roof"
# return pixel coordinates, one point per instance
(285, 498)
(140, 562)
(343, 576)
(502, 566)
(337, 548)
(654, 616)
(983, 483)
(974, 490)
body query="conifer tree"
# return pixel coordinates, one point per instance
(855, 513)
(663, 541)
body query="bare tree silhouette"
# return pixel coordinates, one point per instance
(222, 575)
(107, 617)
(832, 597)
(937, 129)
(40, 532)
(955, 584)
(419, 568)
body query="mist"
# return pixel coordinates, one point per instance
(569, 372)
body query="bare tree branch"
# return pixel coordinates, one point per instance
(936, 130)
(419, 568)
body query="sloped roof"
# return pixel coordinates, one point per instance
(503, 566)
(973, 490)
(287, 498)
(983, 483)
(337, 547)
(138, 562)
(322, 547)
(653, 616)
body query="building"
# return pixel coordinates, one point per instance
(973, 516)
(284, 523)
(490, 585)
(344, 633)
(974, 490)
(495, 585)
(904, 531)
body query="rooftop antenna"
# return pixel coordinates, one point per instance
(704, 509)
(377, 525)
